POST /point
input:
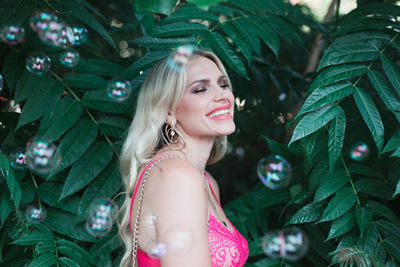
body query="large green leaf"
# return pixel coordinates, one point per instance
(397, 191)
(364, 218)
(380, 210)
(189, 12)
(286, 30)
(369, 238)
(370, 115)
(50, 192)
(337, 73)
(331, 183)
(388, 228)
(83, 253)
(314, 121)
(87, 168)
(76, 142)
(227, 54)
(392, 244)
(372, 38)
(146, 62)
(48, 91)
(309, 213)
(364, 170)
(337, 129)
(15, 12)
(114, 125)
(393, 143)
(164, 43)
(374, 187)
(157, 6)
(384, 90)
(12, 182)
(25, 84)
(267, 34)
(12, 68)
(326, 95)
(99, 100)
(349, 53)
(179, 29)
(100, 67)
(105, 185)
(237, 40)
(67, 262)
(278, 149)
(6, 204)
(64, 114)
(249, 35)
(85, 80)
(44, 260)
(32, 238)
(339, 204)
(342, 225)
(392, 71)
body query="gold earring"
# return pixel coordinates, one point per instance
(170, 134)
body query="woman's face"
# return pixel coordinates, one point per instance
(206, 108)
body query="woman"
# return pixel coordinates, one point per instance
(184, 112)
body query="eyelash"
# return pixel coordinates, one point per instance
(202, 89)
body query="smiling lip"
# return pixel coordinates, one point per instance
(227, 106)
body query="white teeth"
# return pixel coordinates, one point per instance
(219, 112)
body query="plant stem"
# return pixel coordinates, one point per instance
(351, 181)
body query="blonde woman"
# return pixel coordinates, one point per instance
(184, 113)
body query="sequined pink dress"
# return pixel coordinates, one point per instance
(227, 248)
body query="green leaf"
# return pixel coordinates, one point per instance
(44, 260)
(370, 115)
(339, 204)
(100, 67)
(397, 191)
(342, 225)
(5, 204)
(267, 34)
(320, 170)
(25, 84)
(47, 91)
(105, 185)
(32, 238)
(12, 182)
(279, 149)
(221, 9)
(388, 228)
(392, 71)
(205, 3)
(372, 38)
(374, 187)
(14, 63)
(164, 43)
(384, 90)
(331, 183)
(268, 262)
(309, 213)
(189, 12)
(237, 40)
(99, 100)
(364, 170)
(66, 262)
(392, 245)
(227, 54)
(114, 125)
(76, 142)
(15, 12)
(64, 114)
(364, 218)
(83, 253)
(314, 121)
(85, 80)
(87, 168)
(393, 143)
(381, 210)
(349, 53)
(146, 62)
(156, 6)
(286, 30)
(180, 29)
(326, 95)
(336, 74)
(337, 130)
(249, 35)
(369, 238)
(50, 192)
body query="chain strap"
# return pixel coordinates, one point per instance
(137, 219)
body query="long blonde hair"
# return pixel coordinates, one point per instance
(161, 91)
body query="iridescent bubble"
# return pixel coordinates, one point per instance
(274, 171)
(41, 156)
(12, 34)
(290, 244)
(148, 220)
(98, 225)
(38, 64)
(181, 56)
(1, 83)
(119, 89)
(80, 34)
(40, 20)
(179, 240)
(58, 34)
(35, 213)
(103, 207)
(156, 249)
(359, 151)
(69, 58)
(17, 159)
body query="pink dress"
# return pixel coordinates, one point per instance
(227, 248)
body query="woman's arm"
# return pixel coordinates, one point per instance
(182, 210)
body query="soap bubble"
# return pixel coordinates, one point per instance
(41, 156)
(17, 159)
(148, 220)
(1, 83)
(58, 34)
(38, 64)
(119, 89)
(181, 56)
(35, 213)
(12, 34)
(101, 215)
(274, 171)
(359, 151)
(69, 58)
(40, 21)
(290, 244)
(103, 207)
(179, 240)
(156, 249)
(80, 35)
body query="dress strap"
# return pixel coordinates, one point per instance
(209, 183)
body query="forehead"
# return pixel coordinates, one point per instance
(201, 68)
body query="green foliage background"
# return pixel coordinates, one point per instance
(349, 210)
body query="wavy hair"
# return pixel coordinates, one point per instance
(161, 91)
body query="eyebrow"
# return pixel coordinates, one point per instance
(208, 80)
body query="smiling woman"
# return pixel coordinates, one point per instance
(171, 214)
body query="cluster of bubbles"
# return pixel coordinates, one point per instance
(274, 171)
(12, 34)
(69, 58)
(178, 240)
(35, 213)
(119, 89)
(359, 151)
(39, 156)
(181, 56)
(101, 216)
(38, 63)
(290, 244)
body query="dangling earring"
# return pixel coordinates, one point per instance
(170, 133)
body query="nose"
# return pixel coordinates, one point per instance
(221, 94)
